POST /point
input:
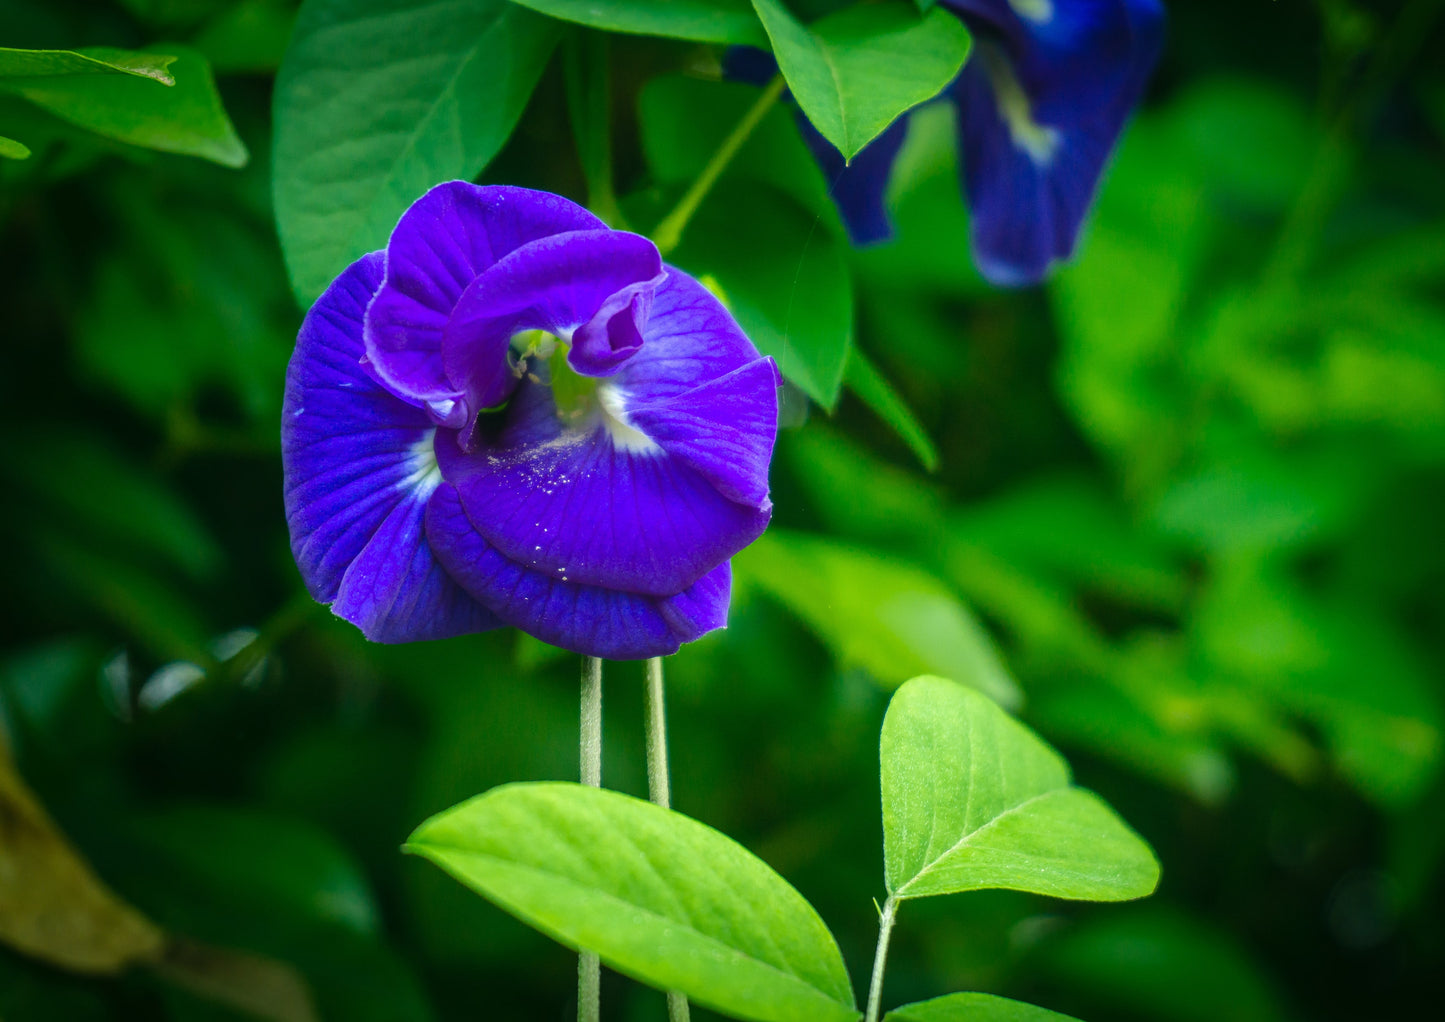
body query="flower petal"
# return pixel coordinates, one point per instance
(1035, 139)
(358, 470)
(690, 338)
(724, 428)
(589, 285)
(585, 619)
(599, 505)
(441, 244)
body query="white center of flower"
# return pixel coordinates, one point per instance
(1038, 140)
(1040, 12)
(625, 436)
(423, 475)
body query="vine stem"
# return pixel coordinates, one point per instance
(668, 233)
(659, 786)
(880, 958)
(589, 747)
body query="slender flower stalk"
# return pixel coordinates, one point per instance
(589, 967)
(880, 958)
(668, 233)
(659, 785)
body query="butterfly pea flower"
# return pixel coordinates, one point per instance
(516, 416)
(1041, 103)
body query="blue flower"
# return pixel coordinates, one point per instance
(514, 415)
(1041, 103)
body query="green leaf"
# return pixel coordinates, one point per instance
(187, 118)
(873, 388)
(704, 21)
(855, 71)
(972, 799)
(973, 1008)
(97, 60)
(783, 278)
(13, 150)
(658, 896)
(886, 616)
(378, 100)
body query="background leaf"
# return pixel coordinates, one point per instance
(671, 902)
(973, 799)
(855, 71)
(185, 118)
(705, 21)
(883, 615)
(378, 100)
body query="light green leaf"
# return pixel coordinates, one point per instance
(97, 60)
(658, 896)
(873, 388)
(704, 21)
(782, 277)
(13, 150)
(378, 100)
(886, 616)
(972, 799)
(855, 71)
(187, 118)
(973, 1008)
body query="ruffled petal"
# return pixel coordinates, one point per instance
(690, 338)
(592, 286)
(724, 429)
(442, 243)
(585, 619)
(359, 467)
(601, 505)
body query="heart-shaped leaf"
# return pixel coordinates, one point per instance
(972, 799)
(658, 896)
(854, 71)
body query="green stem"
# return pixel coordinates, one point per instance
(659, 786)
(589, 967)
(880, 958)
(668, 233)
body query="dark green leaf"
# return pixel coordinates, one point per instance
(705, 21)
(973, 1008)
(684, 120)
(658, 896)
(378, 100)
(972, 799)
(873, 388)
(856, 71)
(186, 118)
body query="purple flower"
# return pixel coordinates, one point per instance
(514, 415)
(1041, 103)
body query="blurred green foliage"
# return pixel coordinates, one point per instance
(1187, 513)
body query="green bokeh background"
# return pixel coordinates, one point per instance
(1190, 502)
